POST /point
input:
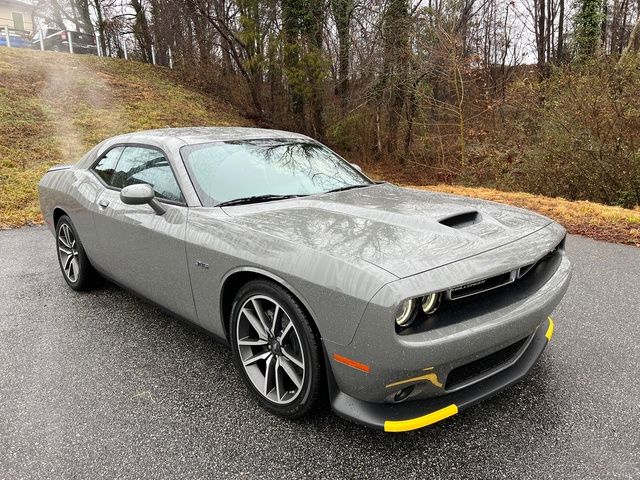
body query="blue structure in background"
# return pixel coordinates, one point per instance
(16, 40)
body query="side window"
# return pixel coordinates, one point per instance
(147, 165)
(106, 166)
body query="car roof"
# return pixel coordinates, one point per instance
(172, 139)
(195, 135)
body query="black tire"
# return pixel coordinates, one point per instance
(309, 394)
(84, 275)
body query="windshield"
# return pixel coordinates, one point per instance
(224, 171)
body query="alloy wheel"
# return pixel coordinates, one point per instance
(68, 253)
(271, 352)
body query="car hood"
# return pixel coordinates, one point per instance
(403, 231)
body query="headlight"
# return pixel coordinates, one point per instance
(405, 315)
(430, 303)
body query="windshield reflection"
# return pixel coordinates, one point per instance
(224, 171)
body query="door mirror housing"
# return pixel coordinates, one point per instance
(356, 166)
(140, 194)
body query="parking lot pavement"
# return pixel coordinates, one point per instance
(102, 385)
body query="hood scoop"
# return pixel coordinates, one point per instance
(461, 220)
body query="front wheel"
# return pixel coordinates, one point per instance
(275, 349)
(76, 268)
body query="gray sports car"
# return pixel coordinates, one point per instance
(405, 306)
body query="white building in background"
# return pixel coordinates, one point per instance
(17, 16)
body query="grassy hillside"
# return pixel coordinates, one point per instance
(55, 106)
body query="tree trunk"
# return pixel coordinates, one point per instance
(634, 40)
(396, 67)
(103, 45)
(540, 34)
(342, 10)
(292, 13)
(315, 31)
(560, 54)
(605, 13)
(141, 29)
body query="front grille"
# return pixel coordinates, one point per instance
(481, 286)
(500, 280)
(479, 367)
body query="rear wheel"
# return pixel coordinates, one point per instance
(74, 264)
(275, 349)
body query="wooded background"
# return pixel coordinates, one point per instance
(534, 95)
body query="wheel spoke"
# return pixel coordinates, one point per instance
(255, 323)
(286, 330)
(256, 358)
(67, 235)
(292, 359)
(252, 342)
(67, 262)
(74, 267)
(62, 238)
(268, 373)
(260, 312)
(65, 250)
(278, 380)
(290, 371)
(276, 314)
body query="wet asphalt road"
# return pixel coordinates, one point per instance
(102, 385)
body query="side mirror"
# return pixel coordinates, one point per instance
(356, 166)
(139, 195)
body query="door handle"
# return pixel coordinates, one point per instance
(103, 203)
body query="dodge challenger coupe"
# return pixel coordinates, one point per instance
(405, 306)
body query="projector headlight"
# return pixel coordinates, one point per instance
(405, 314)
(430, 303)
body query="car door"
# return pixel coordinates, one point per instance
(140, 249)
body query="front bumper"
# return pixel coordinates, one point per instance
(479, 348)
(483, 327)
(411, 415)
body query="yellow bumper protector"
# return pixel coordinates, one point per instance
(419, 422)
(549, 333)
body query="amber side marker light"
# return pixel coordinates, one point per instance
(351, 363)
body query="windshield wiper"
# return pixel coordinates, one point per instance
(255, 199)
(349, 187)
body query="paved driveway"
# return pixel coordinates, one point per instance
(102, 385)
